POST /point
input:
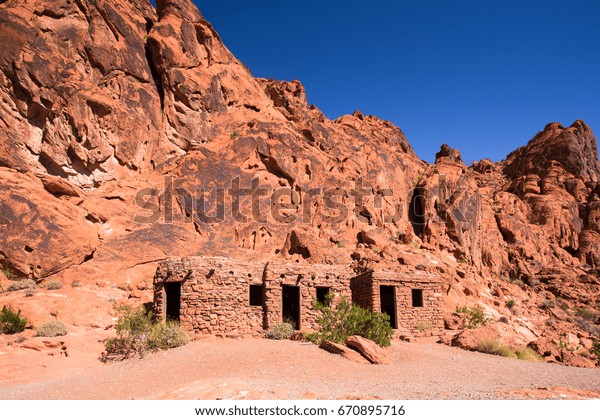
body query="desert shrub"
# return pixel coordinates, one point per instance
(588, 326)
(533, 282)
(473, 317)
(423, 326)
(529, 354)
(21, 285)
(547, 304)
(11, 322)
(132, 328)
(54, 285)
(550, 322)
(51, 329)
(517, 282)
(587, 313)
(492, 346)
(596, 348)
(76, 283)
(10, 274)
(281, 331)
(137, 334)
(29, 292)
(166, 336)
(337, 324)
(510, 303)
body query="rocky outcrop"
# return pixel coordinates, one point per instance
(41, 234)
(75, 83)
(129, 134)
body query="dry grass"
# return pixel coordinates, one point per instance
(493, 346)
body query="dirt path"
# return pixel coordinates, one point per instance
(255, 369)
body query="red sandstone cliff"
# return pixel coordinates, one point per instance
(102, 99)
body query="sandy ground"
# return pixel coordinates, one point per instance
(262, 369)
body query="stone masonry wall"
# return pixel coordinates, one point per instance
(411, 322)
(214, 295)
(362, 291)
(307, 278)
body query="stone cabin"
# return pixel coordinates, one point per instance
(231, 298)
(413, 300)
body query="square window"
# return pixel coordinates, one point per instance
(256, 295)
(417, 298)
(322, 293)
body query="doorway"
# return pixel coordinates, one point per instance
(387, 295)
(290, 305)
(173, 298)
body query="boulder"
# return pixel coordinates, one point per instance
(343, 351)
(369, 349)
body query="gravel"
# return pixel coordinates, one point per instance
(264, 369)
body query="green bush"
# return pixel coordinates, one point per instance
(473, 317)
(21, 285)
(510, 303)
(346, 319)
(11, 322)
(54, 285)
(51, 329)
(281, 331)
(137, 334)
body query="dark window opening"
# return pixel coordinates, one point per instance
(290, 305)
(417, 298)
(173, 292)
(387, 296)
(256, 295)
(322, 293)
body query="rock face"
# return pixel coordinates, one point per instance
(129, 134)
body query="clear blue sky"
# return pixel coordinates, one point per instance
(482, 76)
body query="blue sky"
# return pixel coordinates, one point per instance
(482, 76)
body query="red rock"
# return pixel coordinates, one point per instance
(141, 96)
(369, 349)
(343, 351)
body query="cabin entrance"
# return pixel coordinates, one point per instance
(387, 295)
(290, 301)
(173, 292)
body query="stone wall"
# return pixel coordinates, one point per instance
(411, 321)
(362, 291)
(214, 295)
(308, 278)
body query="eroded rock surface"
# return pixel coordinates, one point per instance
(129, 134)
